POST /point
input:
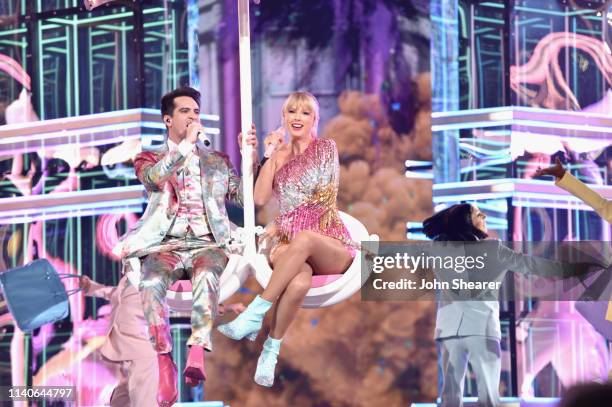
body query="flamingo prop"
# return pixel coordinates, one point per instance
(543, 69)
(91, 4)
(16, 71)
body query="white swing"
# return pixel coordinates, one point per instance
(179, 296)
(326, 290)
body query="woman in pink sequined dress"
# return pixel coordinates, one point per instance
(308, 236)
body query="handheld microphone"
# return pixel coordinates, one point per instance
(204, 138)
(270, 149)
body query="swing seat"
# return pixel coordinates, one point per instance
(328, 290)
(179, 296)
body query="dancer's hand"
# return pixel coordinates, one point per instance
(556, 170)
(84, 283)
(251, 141)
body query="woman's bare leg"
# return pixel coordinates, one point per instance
(289, 302)
(324, 254)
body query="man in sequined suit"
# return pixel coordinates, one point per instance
(185, 228)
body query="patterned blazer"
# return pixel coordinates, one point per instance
(157, 169)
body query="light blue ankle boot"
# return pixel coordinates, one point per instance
(248, 323)
(264, 375)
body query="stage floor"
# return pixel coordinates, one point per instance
(506, 402)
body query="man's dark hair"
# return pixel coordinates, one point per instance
(167, 101)
(453, 224)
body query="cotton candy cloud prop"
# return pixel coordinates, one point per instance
(373, 187)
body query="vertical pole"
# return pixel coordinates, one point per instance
(246, 118)
(508, 41)
(445, 86)
(445, 96)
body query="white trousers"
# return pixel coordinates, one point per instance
(483, 353)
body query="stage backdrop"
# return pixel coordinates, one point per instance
(79, 93)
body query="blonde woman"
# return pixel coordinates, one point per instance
(307, 237)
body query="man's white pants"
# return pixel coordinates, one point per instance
(484, 355)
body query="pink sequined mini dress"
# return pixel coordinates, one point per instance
(306, 188)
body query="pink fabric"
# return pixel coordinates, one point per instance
(106, 231)
(321, 280)
(307, 188)
(181, 286)
(191, 211)
(128, 338)
(15, 70)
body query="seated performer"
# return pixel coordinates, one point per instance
(184, 228)
(308, 237)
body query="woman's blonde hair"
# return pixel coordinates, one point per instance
(302, 98)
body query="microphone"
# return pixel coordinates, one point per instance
(204, 138)
(270, 149)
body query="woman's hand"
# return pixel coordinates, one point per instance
(269, 232)
(251, 141)
(273, 141)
